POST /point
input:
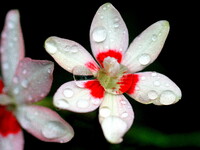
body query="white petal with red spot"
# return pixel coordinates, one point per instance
(146, 47)
(71, 96)
(156, 88)
(69, 54)
(12, 46)
(44, 123)
(32, 80)
(108, 30)
(115, 116)
(12, 141)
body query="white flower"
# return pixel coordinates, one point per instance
(115, 74)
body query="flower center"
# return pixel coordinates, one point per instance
(111, 76)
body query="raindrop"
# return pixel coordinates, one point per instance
(16, 91)
(123, 102)
(156, 83)
(167, 97)
(83, 103)
(24, 83)
(152, 95)
(116, 25)
(154, 37)
(104, 112)
(11, 25)
(62, 103)
(5, 66)
(96, 101)
(99, 34)
(15, 80)
(51, 48)
(53, 130)
(154, 74)
(124, 115)
(144, 59)
(68, 93)
(74, 49)
(24, 71)
(143, 78)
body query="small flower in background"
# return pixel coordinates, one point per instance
(115, 73)
(25, 81)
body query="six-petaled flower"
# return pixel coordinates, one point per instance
(115, 72)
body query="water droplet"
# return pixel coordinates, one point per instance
(137, 88)
(49, 70)
(53, 129)
(124, 115)
(83, 103)
(156, 83)
(154, 37)
(154, 74)
(144, 59)
(30, 98)
(96, 101)
(24, 83)
(24, 71)
(51, 48)
(5, 66)
(116, 25)
(11, 25)
(123, 102)
(99, 34)
(152, 95)
(74, 49)
(167, 97)
(104, 112)
(62, 103)
(68, 93)
(143, 78)
(15, 80)
(16, 91)
(116, 19)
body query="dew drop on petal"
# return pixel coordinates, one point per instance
(15, 80)
(104, 112)
(167, 97)
(68, 93)
(24, 83)
(51, 48)
(124, 115)
(152, 95)
(99, 34)
(62, 103)
(154, 37)
(53, 129)
(82, 103)
(156, 83)
(154, 74)
(144, 59)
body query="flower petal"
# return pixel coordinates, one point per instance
(146, 47)
(44, 123)
(5, 99)
(12, 141)
(116, 117)
(12, 46)
(32, 80)
(108, 31)
(153, 87)
(69, 54)
(71, 96)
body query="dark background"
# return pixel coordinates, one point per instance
(178, 60)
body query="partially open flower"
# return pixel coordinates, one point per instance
(115, 72)
(25, 81)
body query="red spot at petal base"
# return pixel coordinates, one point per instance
(128, 83)
(96, 90)
(8, 122)
(91, 66)
(112, 53)
(1, 86)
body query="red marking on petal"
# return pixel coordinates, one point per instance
(8, 122)
(96, 90)
(128, 83)
(92, 66)
(1, 86)
(112, 53)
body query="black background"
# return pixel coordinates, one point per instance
(178, 60)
